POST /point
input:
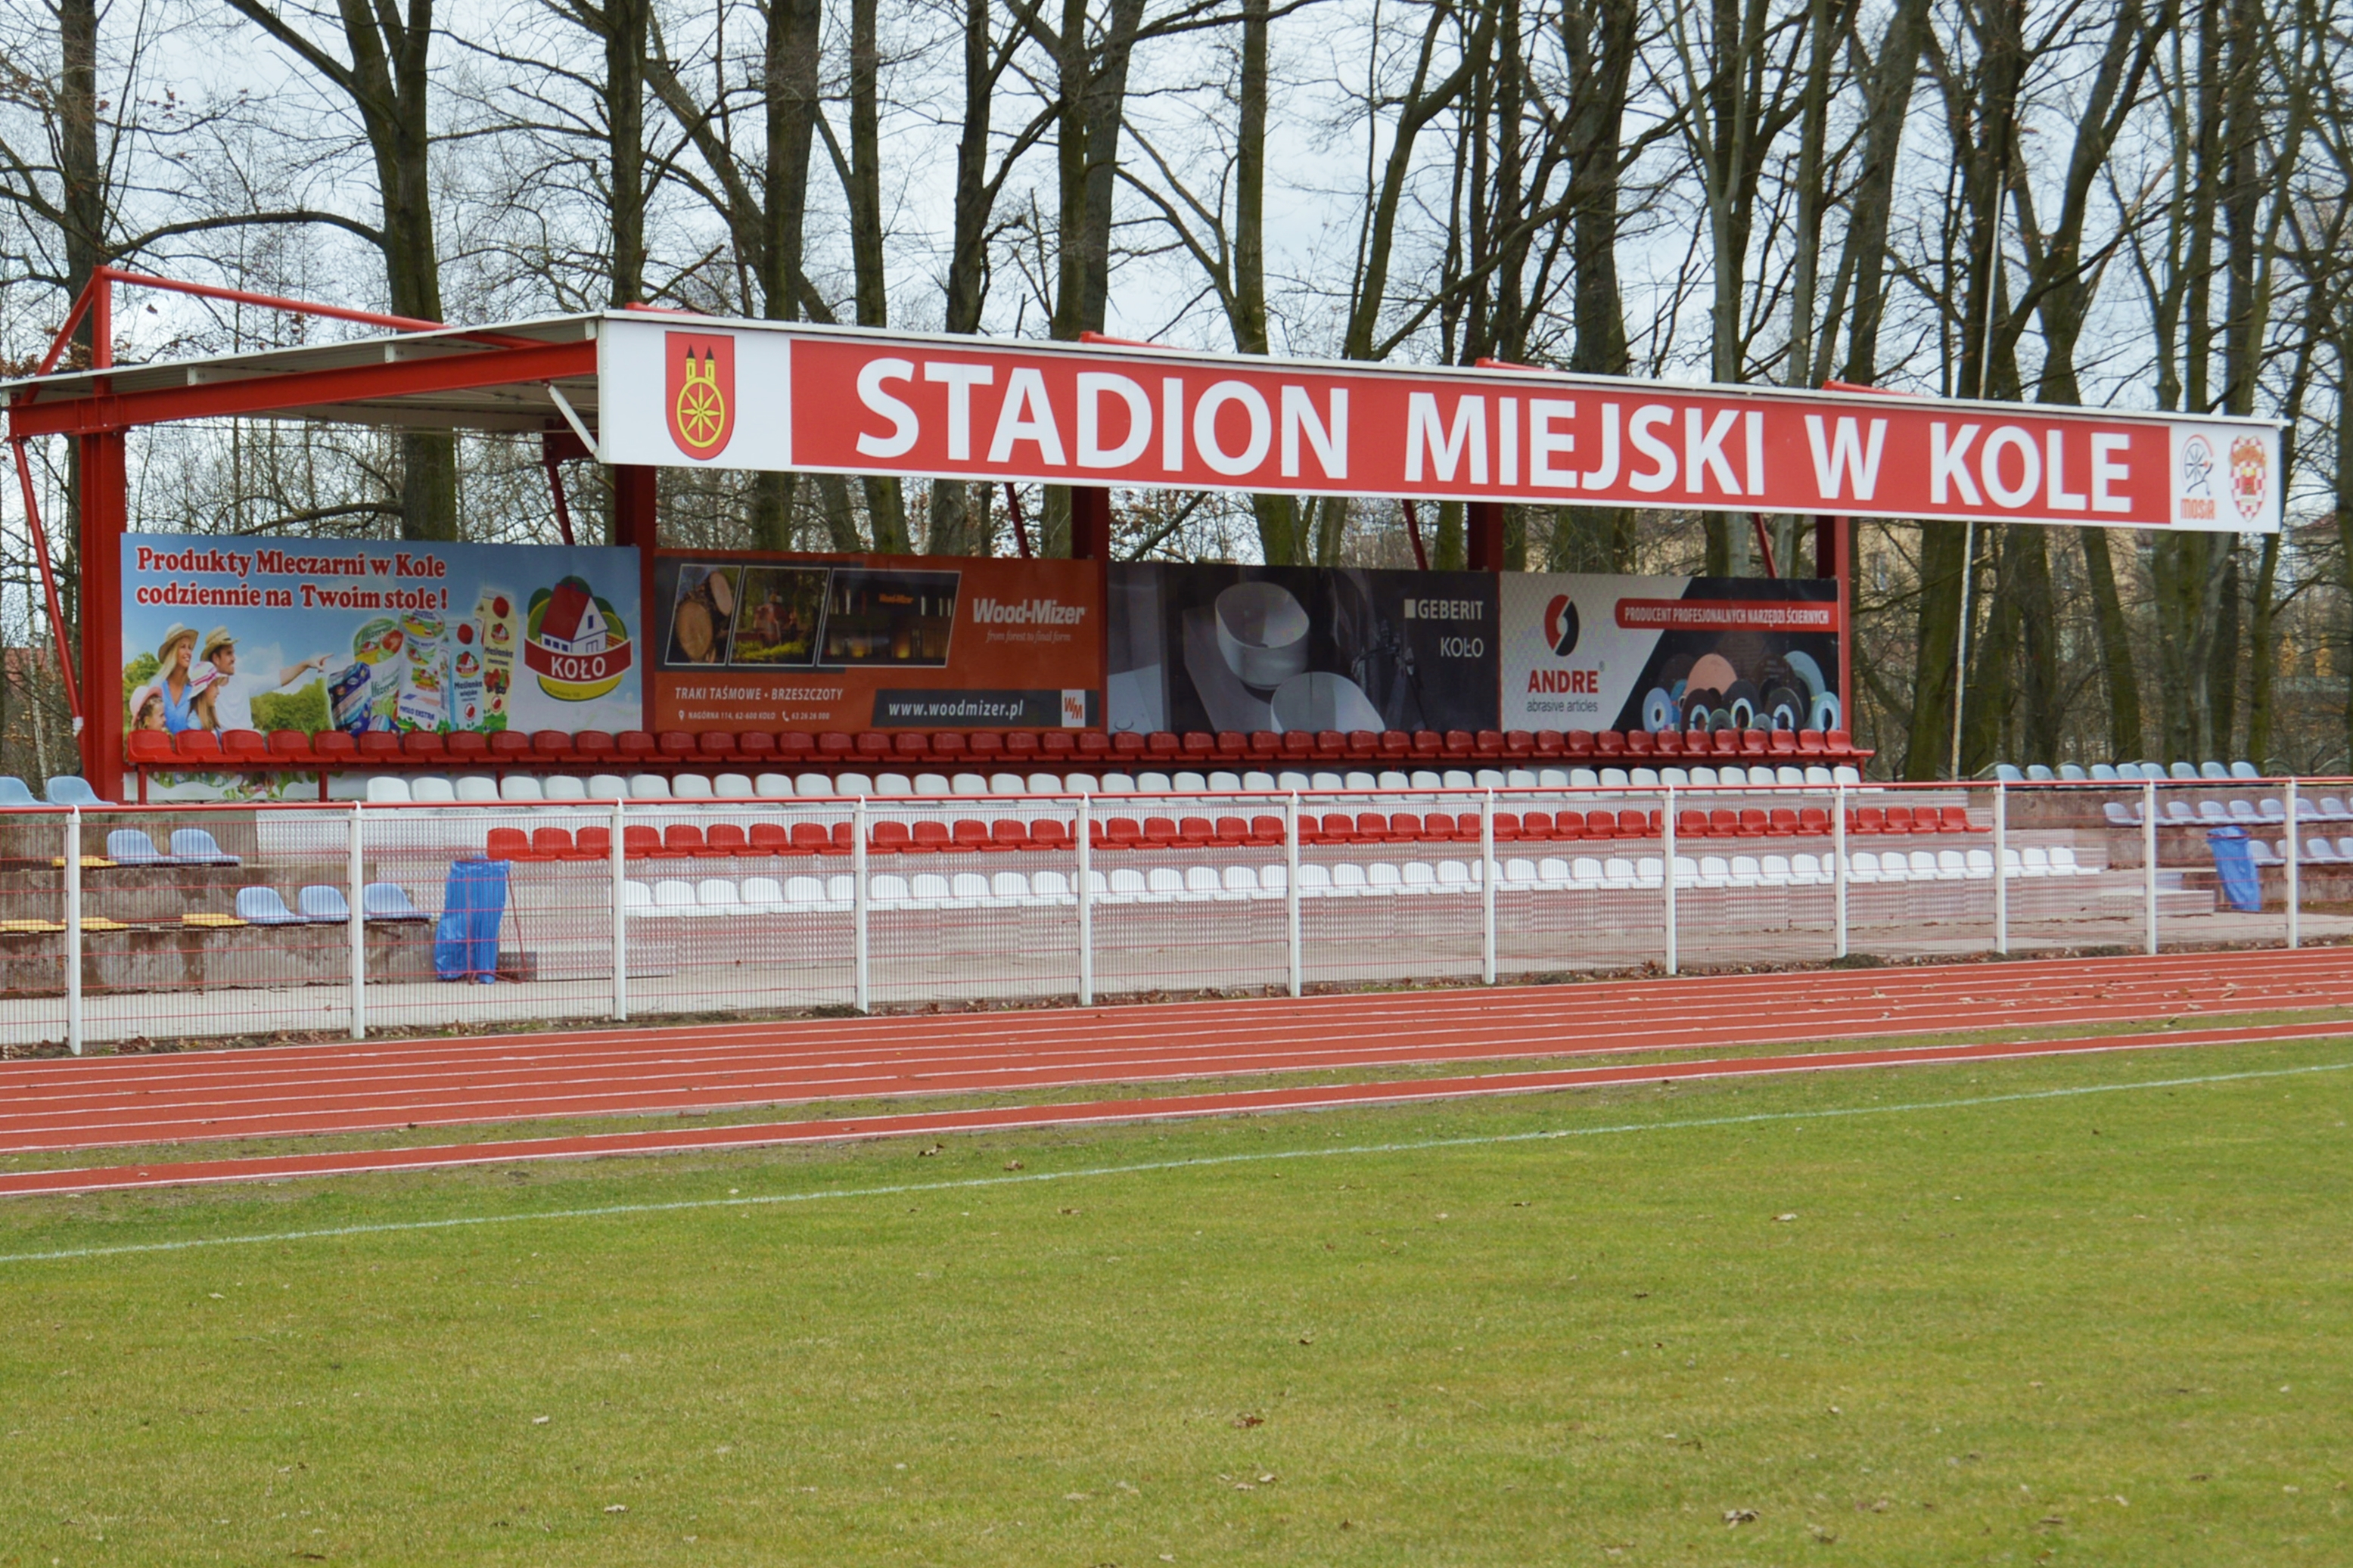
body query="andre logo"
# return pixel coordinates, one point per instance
(1560, 626)
(699, 390)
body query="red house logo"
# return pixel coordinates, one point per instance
(699, 390)
(575, 643)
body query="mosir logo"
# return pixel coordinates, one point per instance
(2197, 480)
(574, 642)
(699, 390)
(1027, 613)
(2250, 474)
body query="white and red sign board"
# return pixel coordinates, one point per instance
(687, 392)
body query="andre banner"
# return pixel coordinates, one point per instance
(740, 395)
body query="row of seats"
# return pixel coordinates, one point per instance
(190, 846)
(1204, 884)
(727, 840)
(250, 749)
(64, 789)
(2268, 812)
(523, 789)
(2124, 773)
(324, 904)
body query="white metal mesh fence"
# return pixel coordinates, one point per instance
(633, 901)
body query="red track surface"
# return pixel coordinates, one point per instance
(352, 1087)
(673, 1141)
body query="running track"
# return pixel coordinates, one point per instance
(113, 1101)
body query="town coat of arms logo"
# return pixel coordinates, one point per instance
(2250, 474)
(698, 390)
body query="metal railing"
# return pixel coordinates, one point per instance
(185, 921)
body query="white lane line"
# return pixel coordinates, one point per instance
(967, 1184)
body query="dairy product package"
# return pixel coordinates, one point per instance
(420, 703)
(465, 694)
(498, 622)
(382, 646)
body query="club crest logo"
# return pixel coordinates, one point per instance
(700, 392)
(2250, 474)
(1560, 626)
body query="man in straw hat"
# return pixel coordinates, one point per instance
(225, 704)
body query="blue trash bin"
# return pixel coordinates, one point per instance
(473, 906)
(2242, 882)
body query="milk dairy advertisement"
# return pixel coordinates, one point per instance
(497, 626)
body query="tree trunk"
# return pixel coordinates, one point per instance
(1277, 514)
(624, 126)
(954, 529)
(1599, 39)
(886, 506)
(789, 91)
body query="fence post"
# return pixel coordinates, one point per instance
(2294, 856)
(356, 875)
(1667, 871)
(1488, 877)
(2148, 857)
(1291, 892)
(857, 899)
(72, 868)
(1086, 901)
(619, 851)
(1837, 861)
(2002, 868)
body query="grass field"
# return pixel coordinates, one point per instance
(2079, 1310)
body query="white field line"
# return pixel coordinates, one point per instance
(903, 1188)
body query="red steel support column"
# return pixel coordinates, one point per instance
(1835, 557)
(634, 525)
(1483, 525)
(1089, 523)
(105, 491)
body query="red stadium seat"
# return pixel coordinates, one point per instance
(1395, 744)
(246, 746)
(1810, 743)
(1264, 830)
(768, 839)
(1723, 822)
(509, 844)
(1232, 830)
(716, 743)
(1373, 828)
(1782, 823)
(1725, 743)
(1550, 743)
(947, 746)
(1298, 745)
(681, 840)
(757, 744)
(289, 746)
(793, 746)
(1232, 744)
(1163, 747)
(970, 834)
(1404, 828)
(149, 746)
(1159, 831)
(1694, 825)
(843, 836)
(1670, 742)
(1052, 833)
(1428, 744)
(334, 746)
(1955, 819)
(1753, 822)
(873, 745)
(1607, 743)
(1783, 743)
(1642, 743)
(1196, 830)
(1507, 827)
(1199, 745)
(641, 843)
(510, 747)
(1021, 743)
(1122, 832)
(592, 744)
(928, 838)
(1055, 743)
(1008, 834)
(1488, 743)
(380, 748)
(1544, 827)
(1126, 743)
(1898, 819)
(1333, 827)
(593, 843)
(203, 746)
(1461, 744)
(888, 838)
(417, 744)
(1869, 819)
(1577, 743)
(637, 744)
(912, 743)
(725, 838)
(1813, 819)
(1093, 743)
(984, 746)
(811, 837)
(1839, 742)
(1364, 746)
(552, 844)
(465, 745)
(834, 746)
(1519, 743)
(1753, 742)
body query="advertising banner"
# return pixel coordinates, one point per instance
(1663, 653)
(850, 643)
(739, 394)
(1245, 648)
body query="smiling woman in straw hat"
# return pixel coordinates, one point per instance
(179, 682)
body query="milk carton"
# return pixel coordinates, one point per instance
(498, 627)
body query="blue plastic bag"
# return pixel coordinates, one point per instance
(473, 906)
(2241, 883)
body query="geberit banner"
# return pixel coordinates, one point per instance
(741, 394)
(775, 642)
